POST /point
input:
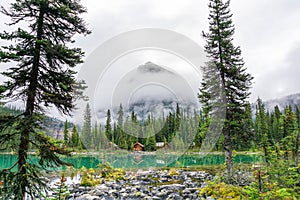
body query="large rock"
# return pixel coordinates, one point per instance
(87, 197)
(172, 187)
(174, 196)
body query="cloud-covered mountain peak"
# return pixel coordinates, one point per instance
(150, 67)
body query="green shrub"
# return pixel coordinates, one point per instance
(88, 180)
(88, 177)
(173, 172)
(221, 191)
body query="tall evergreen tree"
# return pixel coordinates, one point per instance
(96, 136)
(262, 129)
(120, 116)
(66, 133)
(120, 139)
(86, 136)
(275, 125)
(177, 117)
(245, 139)
(150, 142)
(297, 138)
(225, 70)
(75, 141)
(289, 129)
(114, 133)
(102, 138)
(108, 129)
(42, 76)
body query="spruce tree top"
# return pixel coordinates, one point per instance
(225, 57)
(41, 54)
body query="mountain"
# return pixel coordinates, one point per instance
(150, 67)
(159, 108)
(151, 89)
(293, 100)
(155, 89)
(53, 126)
(144, 107)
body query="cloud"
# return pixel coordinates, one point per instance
(146, 82)
(283, 79)
(267, 32)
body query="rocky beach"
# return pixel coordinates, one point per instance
(151, 184)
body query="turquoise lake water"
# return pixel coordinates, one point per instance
(128, 161)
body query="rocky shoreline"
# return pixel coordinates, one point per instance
(153, 184)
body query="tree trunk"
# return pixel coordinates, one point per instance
(22, 156)
(30, 103)
(226, 132)
(228, 153)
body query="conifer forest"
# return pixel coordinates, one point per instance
(239, 138)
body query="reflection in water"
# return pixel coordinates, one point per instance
(139, 160)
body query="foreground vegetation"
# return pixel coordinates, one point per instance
(250, 181)
(42, 76)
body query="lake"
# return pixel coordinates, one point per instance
(137, 160)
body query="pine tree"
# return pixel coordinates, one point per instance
(150, 143)
(262, 129)
(114, 133)
(75, 142)
(177, 117)
(275, 125)
(102, 139)
(42, 77)
(134, 128)
(289, 130)
(120, 116)
(108, 129)
(297, 138)
(245, 138)
(119, 133)
(86, 136)
(224, 72)
(288, 120)
(96, 136)
(66, 133)
(202, 129)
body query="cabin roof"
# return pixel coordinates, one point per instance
(137, 143)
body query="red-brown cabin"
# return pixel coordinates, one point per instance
(138, 146)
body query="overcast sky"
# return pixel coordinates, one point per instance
(268, 32)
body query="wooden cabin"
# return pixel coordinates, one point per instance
(138, 147)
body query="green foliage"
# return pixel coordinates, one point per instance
(41, 74)
(62, 191)
(273, 192)
(109, 173)
(12, 182)
(173, 172)
(108, 129)
(152, 130)
(279, 179)
(86, 134)
(274, 181)
(66, 134)
(104, 171)
(221, 191)
(75, 141)
(150, 144)
(88, 178)
(225, 82)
